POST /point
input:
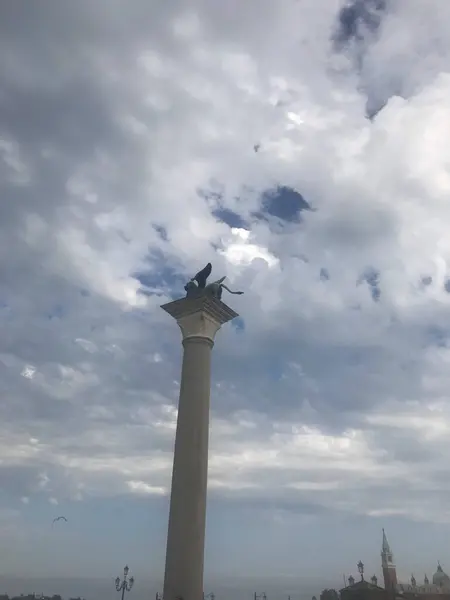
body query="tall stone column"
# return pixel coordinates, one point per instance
(199, 319)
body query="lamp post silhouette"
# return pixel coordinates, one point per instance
(360, 566)
(126, 584)
(261, 596)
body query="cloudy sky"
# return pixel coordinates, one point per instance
(128, 132)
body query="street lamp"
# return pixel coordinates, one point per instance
(261, 596)
(126, 584)
(360, 566)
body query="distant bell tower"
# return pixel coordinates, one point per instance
(387, 562)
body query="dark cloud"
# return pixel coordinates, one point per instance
(284, 203)
(358, 17)
(126, 163)
(372, 278)
(358, 24)
(229, 217)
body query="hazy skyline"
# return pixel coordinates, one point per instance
(127, 161)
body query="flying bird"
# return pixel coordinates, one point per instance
(59, 519)
(256, 147)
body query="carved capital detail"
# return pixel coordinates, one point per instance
(201, 316)
(199, 325)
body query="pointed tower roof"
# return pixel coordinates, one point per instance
(385, 546)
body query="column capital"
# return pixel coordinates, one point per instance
(200, 317)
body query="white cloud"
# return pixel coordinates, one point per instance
(28, 371)
(326, 397)
(140, 487)
(16, 170)
(241, 252)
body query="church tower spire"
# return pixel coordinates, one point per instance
(388, 565)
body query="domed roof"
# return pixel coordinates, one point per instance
(440, 578)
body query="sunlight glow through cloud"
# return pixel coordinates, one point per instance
(241, 252)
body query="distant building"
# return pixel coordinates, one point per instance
(32, 596)
(388, 566)
(363, 590)
(439, 589)
(329, 594)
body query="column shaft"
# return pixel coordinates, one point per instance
(187, 519)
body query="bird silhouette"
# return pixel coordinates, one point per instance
(256, 147)
(59, 519)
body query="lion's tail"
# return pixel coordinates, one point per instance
(228, 290)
